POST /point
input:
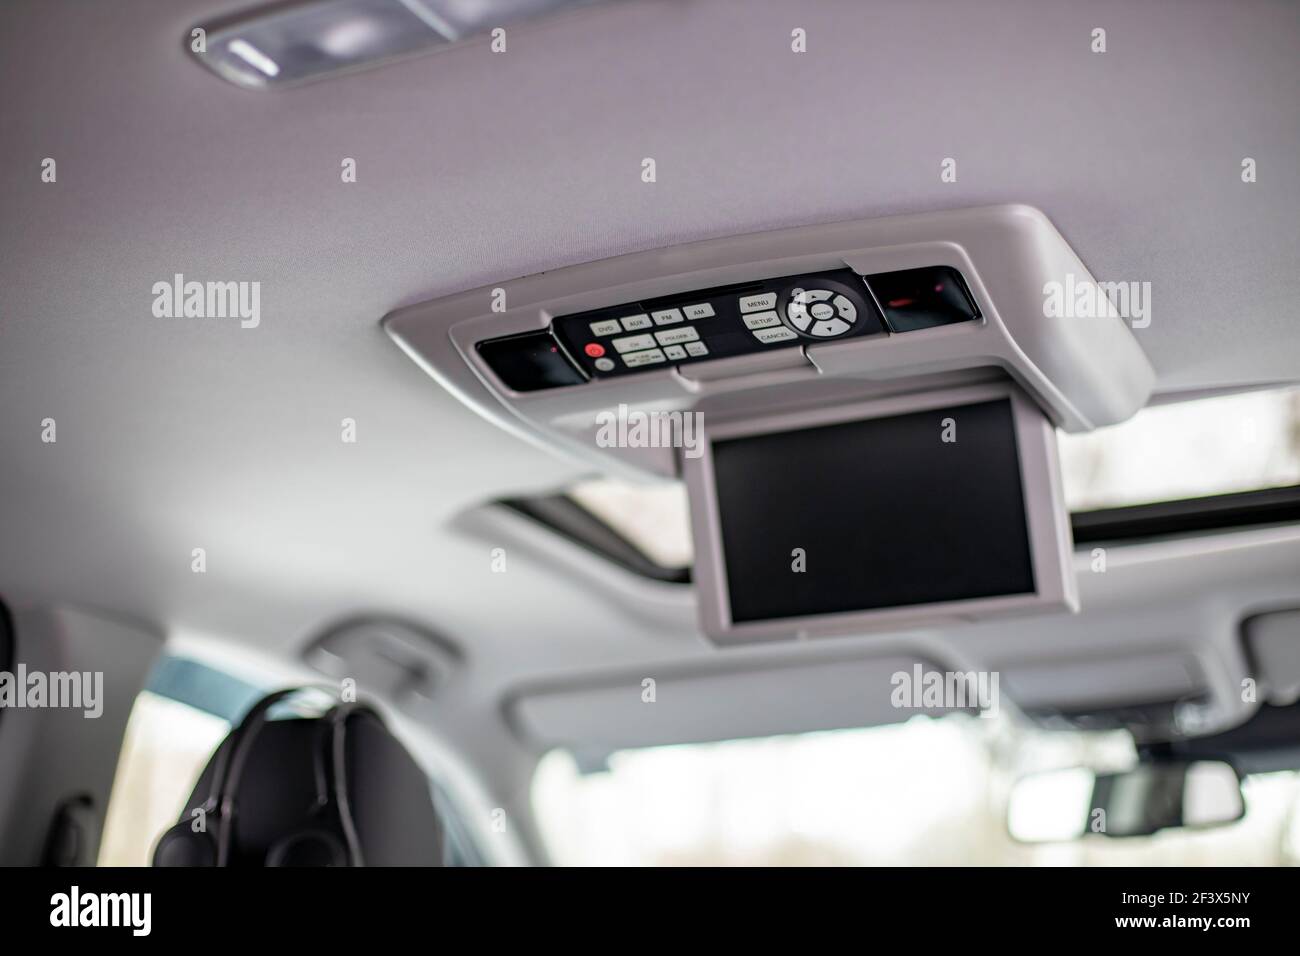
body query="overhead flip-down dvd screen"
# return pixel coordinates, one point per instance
(885, 512)
(929, 506)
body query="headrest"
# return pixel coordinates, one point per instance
(333, 790)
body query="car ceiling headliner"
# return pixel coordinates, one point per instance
(474, 168)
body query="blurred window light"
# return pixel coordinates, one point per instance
(927, 792)
(1210, 446)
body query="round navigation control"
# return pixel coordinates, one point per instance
(821, 309)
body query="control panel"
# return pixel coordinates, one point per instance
(718, 323)
(728, 321)
(841, 307)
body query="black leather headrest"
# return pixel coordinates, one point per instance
(279, 793)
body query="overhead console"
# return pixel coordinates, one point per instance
(744, 319)
(823, 370)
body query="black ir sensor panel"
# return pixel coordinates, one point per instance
(916, 299)
(529, 362)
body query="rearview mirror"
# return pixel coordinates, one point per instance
(1066, 804)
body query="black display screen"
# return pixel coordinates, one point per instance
(884, 512)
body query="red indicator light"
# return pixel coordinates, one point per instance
(594, 349)
(899, 303)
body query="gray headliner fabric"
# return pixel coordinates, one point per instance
(475, 168)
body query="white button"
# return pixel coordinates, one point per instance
(634, 322)
(757, 303)
(825, 330)
(696, 348)
(761, 320)
(675, 352)
(606, 327)
(669, 336)
(778, 334)
(799, 317)
(701, 311)
(847, 310)
(630, 343)
(643, 358)
(821, 311)
(816, 295)
(667, 316)
(605, 364)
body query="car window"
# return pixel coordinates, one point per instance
(931, 791)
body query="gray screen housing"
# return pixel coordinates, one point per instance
(738, 611)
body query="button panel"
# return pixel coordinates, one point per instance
(719, 323)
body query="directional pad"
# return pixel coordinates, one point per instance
(820, 313)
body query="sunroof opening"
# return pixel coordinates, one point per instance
(1209, 455)
(1210, 446)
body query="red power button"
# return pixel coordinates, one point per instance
(594, 349)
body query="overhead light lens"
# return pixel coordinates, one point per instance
(305, 41)
(254, 57)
